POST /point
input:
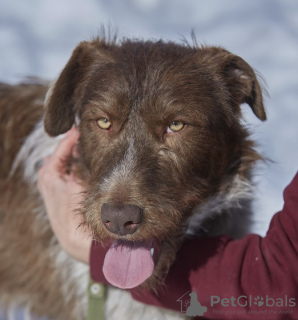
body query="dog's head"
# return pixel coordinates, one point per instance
(160, 130)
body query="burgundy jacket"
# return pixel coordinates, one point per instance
(250, 278)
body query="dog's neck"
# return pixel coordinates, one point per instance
(234, 196)
(36, 147)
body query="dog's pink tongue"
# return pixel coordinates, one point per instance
(128, 264)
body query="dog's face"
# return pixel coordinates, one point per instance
(160, 129)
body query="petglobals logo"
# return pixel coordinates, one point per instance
(250, 301)
(191, 306)
(256, 307)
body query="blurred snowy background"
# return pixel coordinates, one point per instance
(38, 36)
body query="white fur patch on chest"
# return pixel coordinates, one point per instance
(120, 305)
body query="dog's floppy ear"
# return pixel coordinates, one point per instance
(65, 94)
(241, 81)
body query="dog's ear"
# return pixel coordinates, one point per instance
(66, 93)
(240, 80)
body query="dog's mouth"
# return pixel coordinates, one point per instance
(128, 264)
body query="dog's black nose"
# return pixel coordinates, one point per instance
(121, 220)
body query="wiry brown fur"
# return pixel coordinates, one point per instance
(141, 87)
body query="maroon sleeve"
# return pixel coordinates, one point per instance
(250, 278)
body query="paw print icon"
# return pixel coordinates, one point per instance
(259, 301)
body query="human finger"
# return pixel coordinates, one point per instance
(64, 148)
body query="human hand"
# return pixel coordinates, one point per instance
(62, 195)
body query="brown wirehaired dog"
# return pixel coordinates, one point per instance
(162, 153)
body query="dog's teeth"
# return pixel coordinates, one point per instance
(152, 251)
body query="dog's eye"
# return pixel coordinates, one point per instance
(175, 126)
(104, 123)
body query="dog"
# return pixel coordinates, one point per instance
(163, 153)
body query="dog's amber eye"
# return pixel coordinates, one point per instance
(176, 126)
(104, 123)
